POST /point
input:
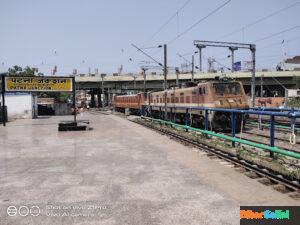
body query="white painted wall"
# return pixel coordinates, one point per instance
(19, 106)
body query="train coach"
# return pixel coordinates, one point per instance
(226, 94)
(132, 102)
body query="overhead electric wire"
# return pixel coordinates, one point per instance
(199, 21)
(165, 24)
(169, 20)
(181, 56)
(280, 43)
(222, 65)
(149, 56)
(275, 34)
(260, 20)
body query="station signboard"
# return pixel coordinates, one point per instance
(38, 84)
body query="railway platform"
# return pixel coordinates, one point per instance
(119, 172)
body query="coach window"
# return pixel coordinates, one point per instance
(187, 99)
(181, 97)
(172, 98)
(194, 96)
(204, 90)
(200, 91)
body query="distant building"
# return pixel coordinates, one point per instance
(291, 64)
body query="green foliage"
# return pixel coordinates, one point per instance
(19, 71)
(58, 97)
(294, 103)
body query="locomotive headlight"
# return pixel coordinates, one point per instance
(231, 100)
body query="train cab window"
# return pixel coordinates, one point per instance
(234, 88)
(204, 90)
(227, 88)
(200, 91)
(219, 88)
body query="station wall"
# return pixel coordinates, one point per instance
(20, 105)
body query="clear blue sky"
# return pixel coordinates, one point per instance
(98, 33)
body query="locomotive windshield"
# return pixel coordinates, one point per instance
(227, 88)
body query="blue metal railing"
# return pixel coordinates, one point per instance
(292, 114)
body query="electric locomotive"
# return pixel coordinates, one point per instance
(226, 94)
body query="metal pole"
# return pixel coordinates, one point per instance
(260, 127)
(233, 126)
(177, 77)
(272, 133)
(253, 49)
(200, 59)
(261, 85)
(232, 60)
(165, 79)
(3, 101)
(108, 97)
(192, 68)
(74, 99)
(232, 49)
(134, 82)
(286, 97)
(200, 56)
(102, 92)
(144, 73)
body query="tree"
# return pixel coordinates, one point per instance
(19, 71)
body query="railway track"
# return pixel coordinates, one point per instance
(268, 136)
(284, 123)
(264, 175)
(266, 142)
